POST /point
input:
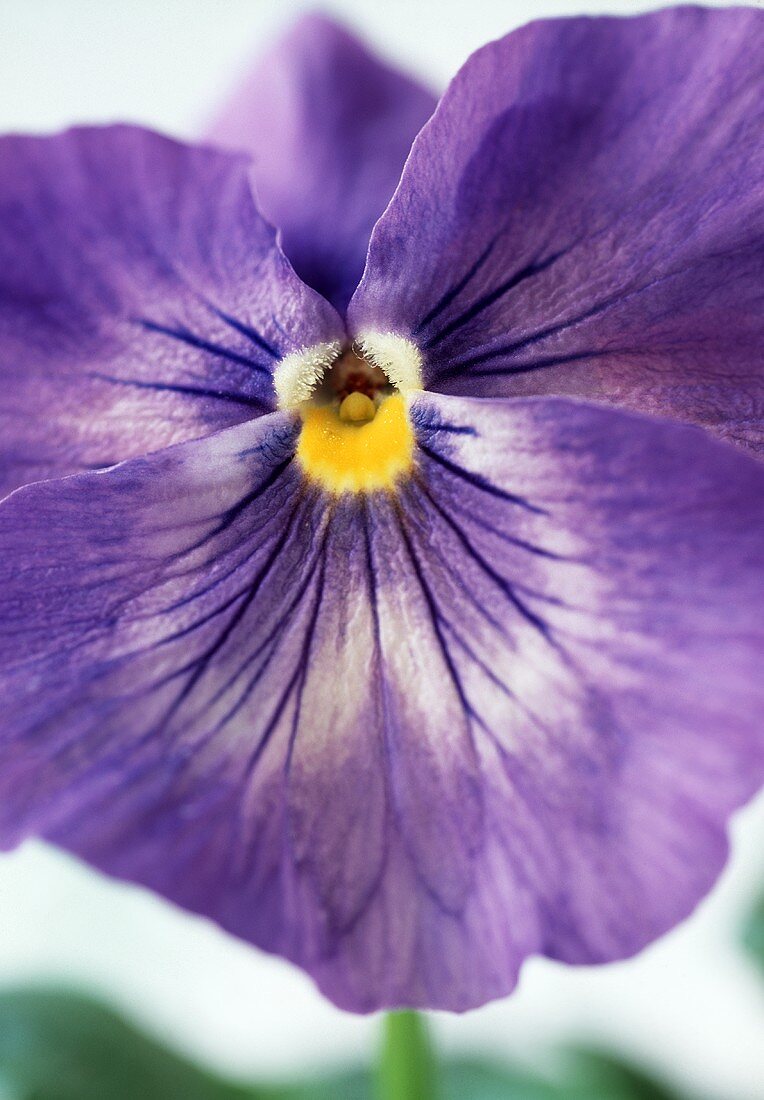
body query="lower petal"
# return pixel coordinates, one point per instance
(597, 576)
(402, 738)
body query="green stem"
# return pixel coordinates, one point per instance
(407, 1067)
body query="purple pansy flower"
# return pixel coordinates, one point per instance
(411, 628)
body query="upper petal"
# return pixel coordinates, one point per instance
(143, 299)
(330, 126)
(585, 215)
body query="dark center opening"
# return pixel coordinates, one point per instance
(352, 374)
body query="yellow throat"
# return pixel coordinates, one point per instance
(356, 446)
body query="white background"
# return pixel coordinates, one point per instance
(690, 1005)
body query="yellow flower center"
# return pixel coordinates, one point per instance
(353, 399)
(357, 446)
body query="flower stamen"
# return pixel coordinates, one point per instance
(356, 408)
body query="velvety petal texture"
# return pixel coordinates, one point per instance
(143, 299)
(407, 739)
(585, 215)
(330, 127)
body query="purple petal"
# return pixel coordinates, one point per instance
(143, 300)
(330, 126)
(585, 215)
(402, 740)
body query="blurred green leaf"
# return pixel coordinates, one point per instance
(470, 1079)
(753, 932)
(355, 1085)
(60, 1045)
(596, 1074)
(578, 1075)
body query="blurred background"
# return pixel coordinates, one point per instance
(690, 1009)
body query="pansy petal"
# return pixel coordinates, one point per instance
(584, 215)
(330, 126)
(596, 578)
(193, 672)
(143, 300)
(186, 701)
(402, 739)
